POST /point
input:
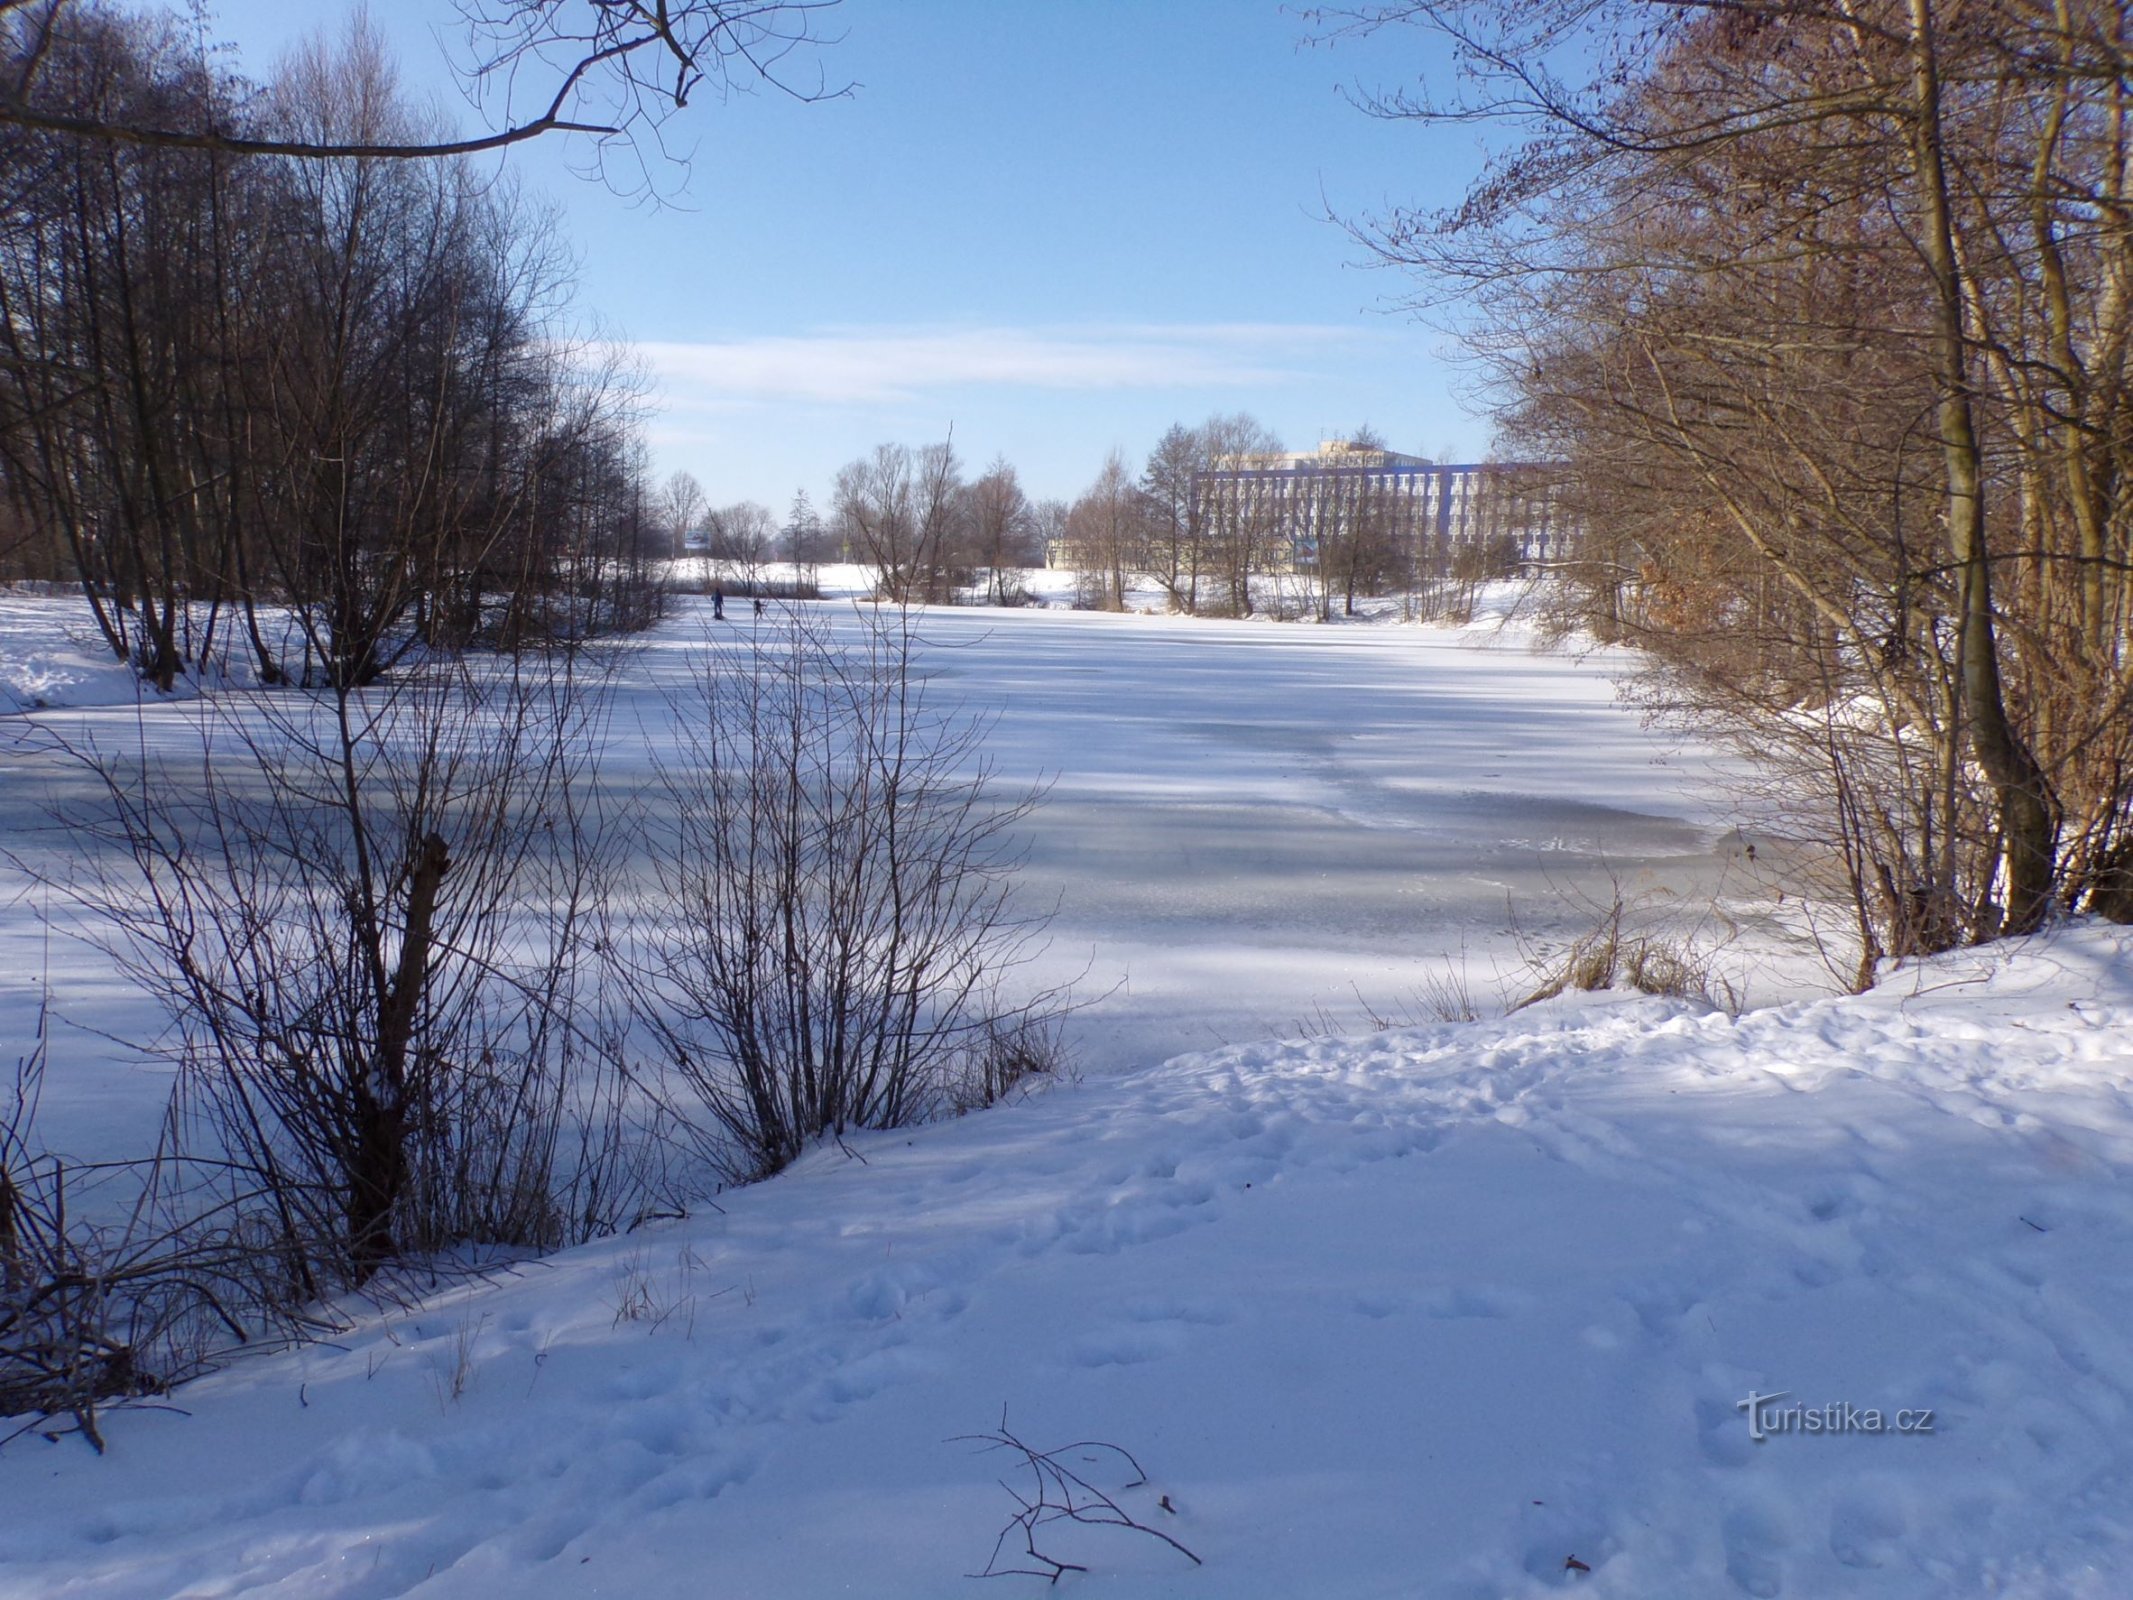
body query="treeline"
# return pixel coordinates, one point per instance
(1828, 308)
(926, 531)
(241, 390)
(933, 534)
(929, 532)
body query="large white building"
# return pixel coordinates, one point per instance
(1428, 509)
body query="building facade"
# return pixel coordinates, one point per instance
(1421, 511)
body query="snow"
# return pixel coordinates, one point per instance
(1250, 828)
(52, 655)
(1253, 827)
(1250, 825)
(1432, 1311)
(1426, 1312)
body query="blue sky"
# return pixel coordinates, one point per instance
(1054, 225)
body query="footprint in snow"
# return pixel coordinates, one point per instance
(701, 1479)
(1752, 1539)
(1866, 1528)
(1182, 1195)
(884, 1296)
(1663, 1310)
(1478, 1300)
(1110, 1230)
(1195, 1312)
(1722, 1433)
(1127, 1347)
(1556, 1538)
(1813, 1273)
(868, 1376)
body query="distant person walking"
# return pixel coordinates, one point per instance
(718, 604)
(759, 605)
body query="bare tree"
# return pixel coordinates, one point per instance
(370, 917)
(1827, 306)
(1104, 530)
(999, 516)
(1238, 522)
(1176, 534)
(875, 508)
(1358, 546)
(944, 553)
(900, 510)
(807, 540)
(744, 538)
(613, 71)
(838, 922)
(681, 509)
(1048, 531)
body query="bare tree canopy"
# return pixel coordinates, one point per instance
(347, 388)
(614, 70)
(1827, 309)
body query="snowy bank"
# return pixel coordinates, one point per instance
(1449, 1311)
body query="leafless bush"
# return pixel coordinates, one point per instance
(1008, 1055)
(112, 1287)
(369, 915)
(1050, 1487)
(1449, 995)
(837, 920)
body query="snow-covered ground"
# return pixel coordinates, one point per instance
(1458, 1311)
(52, 655)
(1455, 1310)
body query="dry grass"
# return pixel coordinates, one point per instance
(1610, 955)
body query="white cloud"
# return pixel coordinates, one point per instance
(887, 366)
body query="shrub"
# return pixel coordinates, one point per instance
(835, 901)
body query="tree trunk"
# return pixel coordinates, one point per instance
(378, 1173)
(2028, 817)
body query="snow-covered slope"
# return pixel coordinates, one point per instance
(1459, 1311)
(50, 655)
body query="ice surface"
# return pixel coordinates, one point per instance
(1250, 828)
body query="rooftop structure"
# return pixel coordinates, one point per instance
(1331, 455)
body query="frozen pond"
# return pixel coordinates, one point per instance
(1250, 828)
(1253, 827)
